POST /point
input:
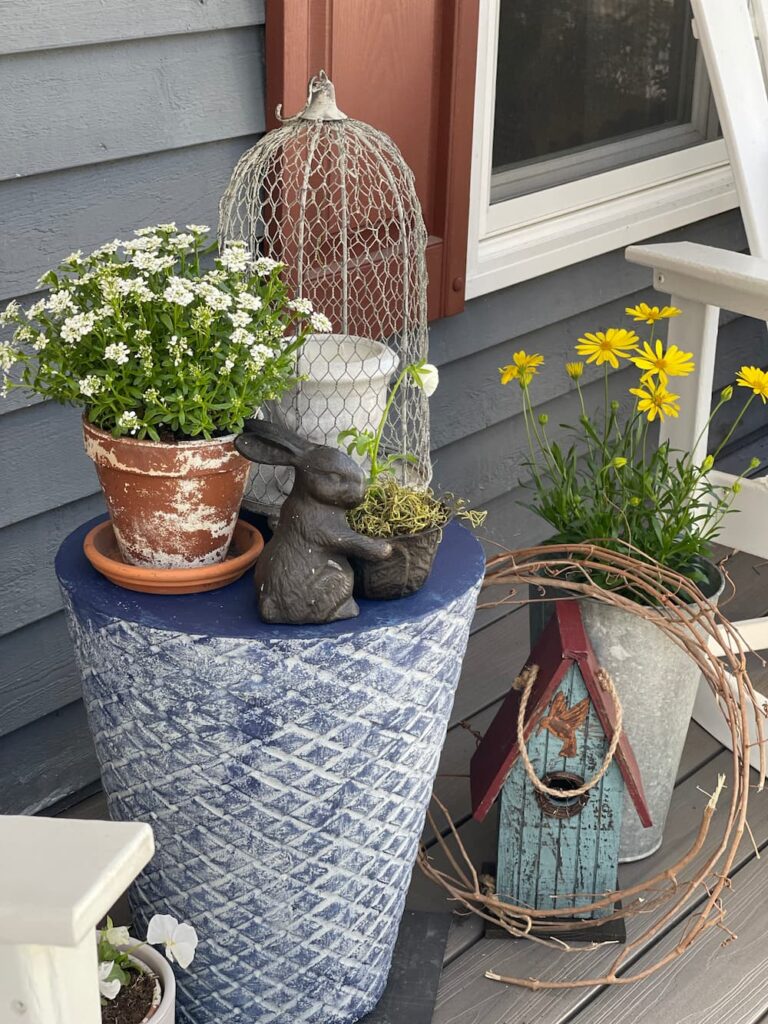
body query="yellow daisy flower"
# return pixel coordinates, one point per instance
(754, 378)
(654, 400)
(522, 368)
(604, 347)
(574, 370)
(670, 363)
(643, 313)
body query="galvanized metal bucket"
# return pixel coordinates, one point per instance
(656, 682)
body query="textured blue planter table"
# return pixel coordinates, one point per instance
(286, 771)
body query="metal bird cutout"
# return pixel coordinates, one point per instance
(563, 722)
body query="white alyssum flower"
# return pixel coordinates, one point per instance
(248, 301)
(37, 309)
(77, 326)
(7, 357)
(240, 318)
(264, 266)
(198, 229)
(241, 337)
(320, 323)
(180, 940)
(150, 263)
(141, 232)
(258, 356)
(235, 258)
(152, 395)
(178, 292)
(213, 296)
(178, 348)
(129, 421)
(90, 386)
(181, 241)
(23, 333)
(167, 227)
(118, 351)
(302, 306)
(60, 302)
(74, 257)
(10, 312)
(108, 248)
(229, 364)
(108, 989)
(39, 343)
(147, 243)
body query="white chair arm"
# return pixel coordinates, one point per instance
(702, 274)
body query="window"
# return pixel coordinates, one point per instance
(594, 128)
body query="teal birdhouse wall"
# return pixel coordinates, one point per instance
(558, 852)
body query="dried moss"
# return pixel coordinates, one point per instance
(392, 510)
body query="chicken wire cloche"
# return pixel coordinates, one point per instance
(332, 198)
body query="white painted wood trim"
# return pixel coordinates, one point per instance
(538, 233)
(707, 713)
(59, 878)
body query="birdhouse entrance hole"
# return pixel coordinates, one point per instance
(565, 806)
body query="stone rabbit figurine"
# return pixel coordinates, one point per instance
(303, 575)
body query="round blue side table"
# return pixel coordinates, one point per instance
(285, 770)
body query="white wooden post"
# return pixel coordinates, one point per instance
(58, 878)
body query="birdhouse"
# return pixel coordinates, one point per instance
(557, 849)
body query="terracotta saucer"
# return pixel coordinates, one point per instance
(101, 550)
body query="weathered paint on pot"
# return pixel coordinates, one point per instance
(172, 506)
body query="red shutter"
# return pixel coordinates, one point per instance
(408, 68)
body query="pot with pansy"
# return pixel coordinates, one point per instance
(136, 982)
(168, 347)
(411, 518)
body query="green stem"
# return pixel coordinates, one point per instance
(375, 469)
(735, 424)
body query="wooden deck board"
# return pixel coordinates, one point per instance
(467, 997)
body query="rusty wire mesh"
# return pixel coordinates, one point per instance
(333, 199)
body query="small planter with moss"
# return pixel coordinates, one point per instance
(411, 519)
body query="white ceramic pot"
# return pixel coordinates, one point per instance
(164, 1008)
(346, 386)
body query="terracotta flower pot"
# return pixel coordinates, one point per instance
(172, 506)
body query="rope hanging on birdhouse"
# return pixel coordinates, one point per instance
(663, 597)
(606, 683)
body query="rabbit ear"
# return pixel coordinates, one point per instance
(271, 444)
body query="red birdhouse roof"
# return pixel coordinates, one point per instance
(563, 642)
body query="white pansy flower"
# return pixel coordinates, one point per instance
(10, 312)
(117, 351)
(107, 988)
(60, 302)
(178, 292)
(430, 378)
(198, 229)
(128, 421)
(90, 386)
(77, 326)
(7, 357)
(180, 940)
(239, 318)
(235, 258)
(320, 323)
(301, 306)
(248, 301)
(264, 266)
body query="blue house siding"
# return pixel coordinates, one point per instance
(135, 116)
(138, 116)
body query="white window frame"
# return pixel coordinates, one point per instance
(534, 234)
